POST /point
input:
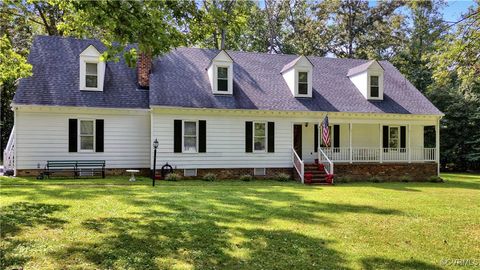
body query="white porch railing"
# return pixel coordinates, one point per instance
(372, 154)
(9, 152)
(298, 164)
(327, 163)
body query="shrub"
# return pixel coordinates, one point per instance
(209, 177)
(435, 179)
(405, 178)
(173, 177)
(375, 179)
(246, 177)
(282, 177)
(343, 179)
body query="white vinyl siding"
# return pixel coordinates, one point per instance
(225, 143)
(43, 136)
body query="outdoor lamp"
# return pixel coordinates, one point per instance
(155, 146)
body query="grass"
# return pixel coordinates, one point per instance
(114, 224)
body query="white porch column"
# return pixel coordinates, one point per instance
(350, 138)
(409, 149)
(380, 136)
(437, 145)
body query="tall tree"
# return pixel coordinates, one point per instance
(221, 23)
(426, 25)
(355, 28)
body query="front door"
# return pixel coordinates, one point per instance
(297, 139)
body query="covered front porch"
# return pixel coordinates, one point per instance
(364, 142)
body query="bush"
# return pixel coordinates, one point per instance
(173, 177)
(375, 179)
(246, 177)
(343, 179)
(209, 177)
(282, 177)
(435, 179)
(406, 178)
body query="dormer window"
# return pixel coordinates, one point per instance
(220, 73)
(374, 86)
(92, 70)
(298, 76)
(222, 79)
(368, 79)
(91, 75)
(303, 83)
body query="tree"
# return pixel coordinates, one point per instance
(458, 55)
(358, 30)
(220, 24)
(155, 26)
(427, 26)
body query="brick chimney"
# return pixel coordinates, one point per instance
(144, 67)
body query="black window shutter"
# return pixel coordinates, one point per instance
(385, 136)
(315, 138)
(248, 137)
(72, 135)
(336, 136)
(403, 137)
(99, 126)
(177, 136)
(271, 137)
(202, 133)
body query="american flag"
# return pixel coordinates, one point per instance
(325, 132)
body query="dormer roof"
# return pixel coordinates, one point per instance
(363, 67)
(299, 60)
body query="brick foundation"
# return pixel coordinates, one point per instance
(393, 172)
(235, 173)
(108, 172)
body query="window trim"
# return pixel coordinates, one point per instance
(369, 85)
(196, 137)
(229, 67)
(223, 79)
(86, 74)
(266, 137)
(378, 86)
(79, 135)
(297, 82)
(399, 138)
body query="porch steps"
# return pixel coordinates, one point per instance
(318, 177)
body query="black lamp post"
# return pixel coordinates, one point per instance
(155, 146)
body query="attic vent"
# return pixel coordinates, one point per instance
(190, 172)
(259, 171)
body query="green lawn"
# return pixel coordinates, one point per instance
(110, 224)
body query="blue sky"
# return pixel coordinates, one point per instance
(455, 8)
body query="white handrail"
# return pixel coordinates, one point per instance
(8, 153)
(375, 154)
(323, 157)
(298, 164)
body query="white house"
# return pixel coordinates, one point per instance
(225, 112)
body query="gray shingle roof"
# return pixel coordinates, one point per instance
(360, 68)
(55, 79)
(180, 79)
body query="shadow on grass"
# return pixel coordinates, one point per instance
(159, 242)
(18, 216)
(374, 263)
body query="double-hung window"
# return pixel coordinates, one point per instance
(394, 138)
(87, 135)
(190, 136)
(302, 83)
(222, 79)
(374, 87)
(91, 75)
(259, 137)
